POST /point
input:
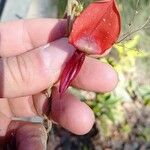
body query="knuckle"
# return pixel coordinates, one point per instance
(9, 71)
(22, 68)
(18, 70)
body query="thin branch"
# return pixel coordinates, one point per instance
(136, 30)
(147, 21)
(133, 18)
(135, 13)
(147, 27)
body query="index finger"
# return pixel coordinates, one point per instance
(20, 36)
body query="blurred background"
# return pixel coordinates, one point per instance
(122, 116)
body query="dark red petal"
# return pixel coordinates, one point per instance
(97, 28)
(71, 70)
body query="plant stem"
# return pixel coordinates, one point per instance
(69, 8)
(69, 18)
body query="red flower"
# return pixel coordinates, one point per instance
(93, 32)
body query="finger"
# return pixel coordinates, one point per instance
(5, 108)
(4, 122)
(22, 106)
(66, 112)
(30, 137)
(5, 115)
(20, 36)
(33, 71)
(96, 76)
(42, 103)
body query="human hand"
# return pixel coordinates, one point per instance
(28, 65)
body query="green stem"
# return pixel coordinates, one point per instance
(69, 16)
(69, 7)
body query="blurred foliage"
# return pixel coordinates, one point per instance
(61, 7)
(108, 107)
(145, 94)
(124, 59)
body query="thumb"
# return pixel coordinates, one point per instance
(30, 137)
(33, 71)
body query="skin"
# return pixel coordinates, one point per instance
(28, 65)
